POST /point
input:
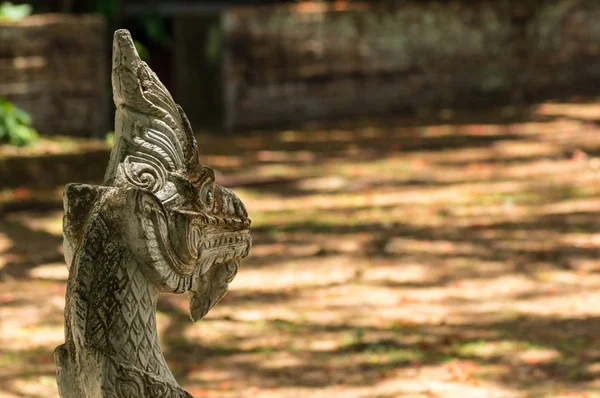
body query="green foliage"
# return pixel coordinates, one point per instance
(110, 138)
(108, 8)
(156, 29)
(15, 125)
(142, 51)
(213, 43)
(14, 12)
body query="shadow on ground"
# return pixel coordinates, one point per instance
(445, 260)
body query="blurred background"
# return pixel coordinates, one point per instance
(423, 179)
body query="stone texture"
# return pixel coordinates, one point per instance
(286, 64)
(54, 66)
(158, 224)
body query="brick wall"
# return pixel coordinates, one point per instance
(285, 64)
(56, 67)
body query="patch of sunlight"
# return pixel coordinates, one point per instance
(575, 302)
(512, 149)
(246, 315)
(216, 330)
(300, 273)
(36, 386)
(50, 222)
(22, 338)
(412, 273)
(572, 206)
(279, 170)
(54, 271)
(163, 321)
(594, 368)
(9, 395)
(508, 285)
(562, 277)
(373, 295)
(555, 169)
(324, 344)
(579, 111)
(392, 166)
(5, 242)
(471, 388)
(539, 355)
(408, 312)
(268, 249)
(329, 183)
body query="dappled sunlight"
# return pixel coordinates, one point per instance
(297, 273)
(577, 110)
(45, 222)
(446, 260)
(56, 271)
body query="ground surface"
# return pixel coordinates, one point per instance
(389, 260)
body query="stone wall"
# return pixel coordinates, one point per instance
(308, 61)
(56, 67)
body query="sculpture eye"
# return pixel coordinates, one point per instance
(209, 197)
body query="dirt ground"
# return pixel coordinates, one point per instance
(390, 259)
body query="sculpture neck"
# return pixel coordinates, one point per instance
(134, 335)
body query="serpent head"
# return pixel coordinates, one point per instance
(194, 231)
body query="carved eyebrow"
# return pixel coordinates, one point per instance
(206, 174)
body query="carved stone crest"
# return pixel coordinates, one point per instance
(159, 223)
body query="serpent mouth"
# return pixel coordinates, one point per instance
(223, 247)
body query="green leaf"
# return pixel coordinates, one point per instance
(156, 29)
(11, 122)
(6, 106)
(142, 51)
(15, 125)
(14, 12)
(22, 116)
(25, 135)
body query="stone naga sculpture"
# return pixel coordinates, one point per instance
(159, 223)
